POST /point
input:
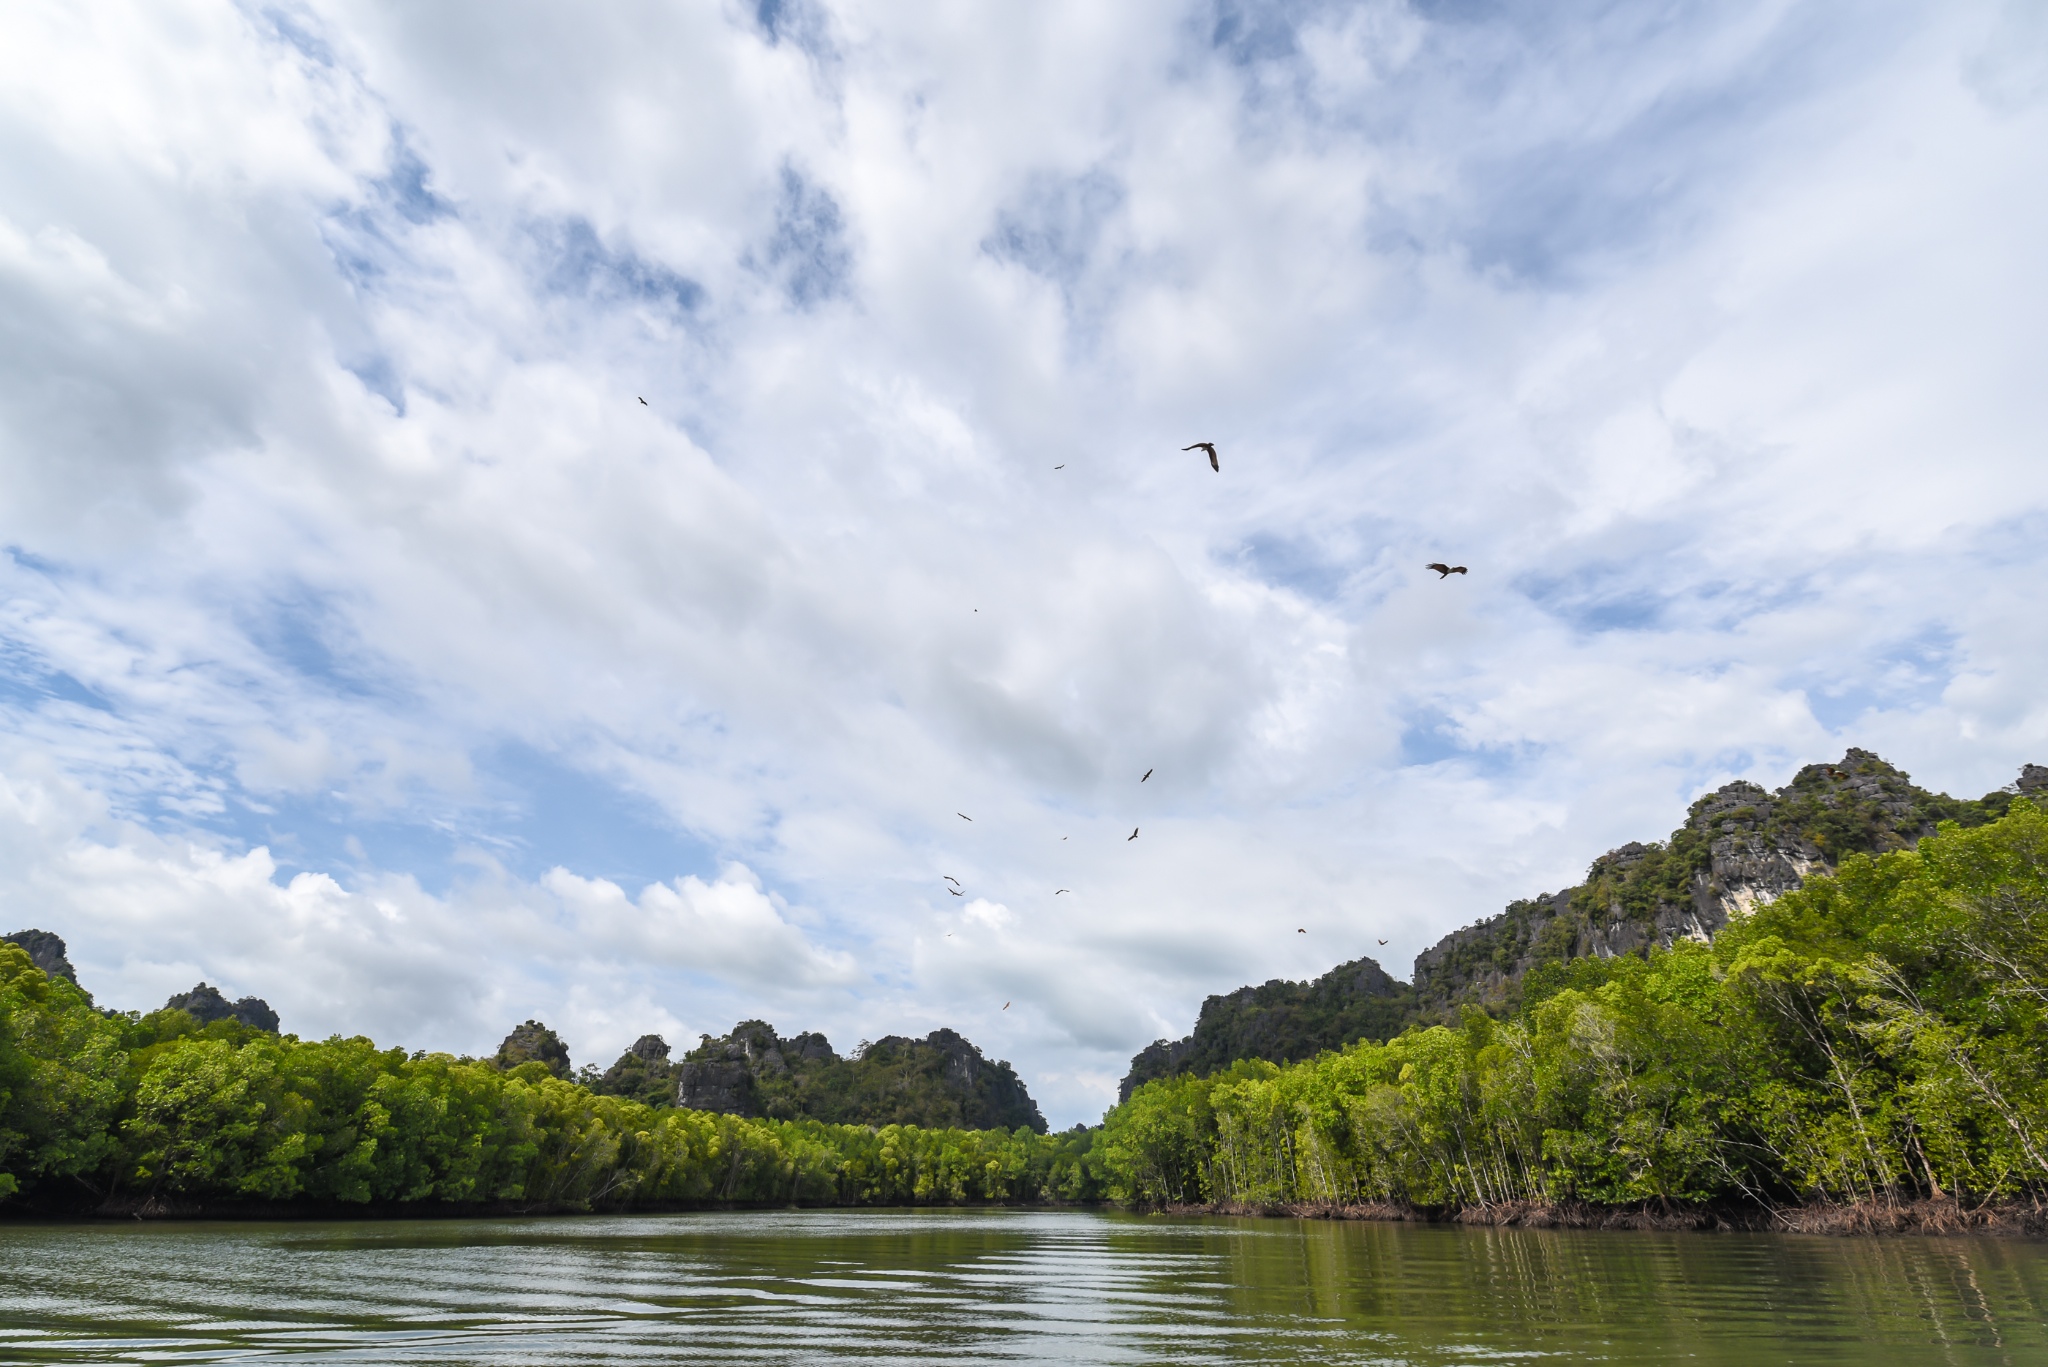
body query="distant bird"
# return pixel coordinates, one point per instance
(956, 893)
(1132, 836)
(1059, 467)
(1060, 891)
(1210, 447)
(1301, 932)
(1006, 1006)
(1444, 571)
(951, 879)
(1148, 774)
(963, 816)
(1383, 942)
(643, 402)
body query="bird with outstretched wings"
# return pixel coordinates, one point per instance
(1444, 571)
(1210, 447)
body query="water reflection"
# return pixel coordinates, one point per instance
(978, 1287)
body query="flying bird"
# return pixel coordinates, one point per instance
(643, 402)
(963, 816)
(1383, 942)
(1444, 571)
(1132, 836)
(1210, 447)
(1059, 467)
(1058, 892)
(956, 892)
(1301, 932)
(1006, 1006)
(1148, 774)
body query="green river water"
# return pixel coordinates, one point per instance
(1002, 1287)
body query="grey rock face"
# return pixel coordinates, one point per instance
(533, 1042)
(206, 1005)
(652, 1048)
(46, 949)
(718, 1075)
(724, 1085)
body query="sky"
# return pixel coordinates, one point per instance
(591, 513)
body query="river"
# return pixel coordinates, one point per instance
(1002, 1287)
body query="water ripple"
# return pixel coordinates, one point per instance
(1000, 1287)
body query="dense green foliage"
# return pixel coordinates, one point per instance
(96, 1107)
(1878, 1034)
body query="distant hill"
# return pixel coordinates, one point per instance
(1740, 845)
(939, 1081)
(1282, 1021)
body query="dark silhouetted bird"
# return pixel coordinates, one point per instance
(963, 816)
(1444, 571)
(951, 879)
(1210, 447)
(1383, 942)
(1006, 1006)
(1148, 774)
(643, 402)
(1059, 467)
(1132, 836)
(1302, 931)
(955, 892)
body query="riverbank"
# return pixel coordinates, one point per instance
(2022, 1220)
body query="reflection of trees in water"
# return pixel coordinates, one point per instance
(1723, 1296)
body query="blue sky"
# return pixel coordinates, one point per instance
(369, 645)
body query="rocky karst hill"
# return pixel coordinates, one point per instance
(1282, 1021)
(1740, 845)
(207, 1005)
(939, 1081)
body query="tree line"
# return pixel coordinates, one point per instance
(1878, 1035)
(120, 1110)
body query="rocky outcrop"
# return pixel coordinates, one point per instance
(533, 1042)
(206, 1005)
(1741, 845)
(1281, 1021)
(643, 1073)
(46, 949)
(940, 1080)
(992, 1095)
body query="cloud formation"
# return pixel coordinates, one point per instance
(369, 645)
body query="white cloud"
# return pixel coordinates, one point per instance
(370, 647)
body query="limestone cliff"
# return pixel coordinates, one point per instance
(942, 1080)
(1740, 845)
